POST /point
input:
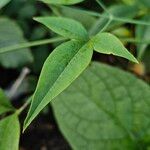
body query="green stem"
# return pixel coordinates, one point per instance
(133, 40)
(31, 44)
(24, 106)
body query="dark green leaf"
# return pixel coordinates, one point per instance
(9, 133)
(61, 68)
(3, 3)
(64, 26)
(107, 43)
(11, 35)
(103, 110)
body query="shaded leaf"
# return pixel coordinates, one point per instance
(61, 68)
(103, 110)
(62, 2)
(9, 133)
(11, 35)
(107, 43)
(64, 26)
(5, 105)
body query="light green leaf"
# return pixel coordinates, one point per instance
(3, 3)
(107, 43)
(64, 26)
(61, 68)
(11, 35)
(9, 133)
(142, 34)
(5, 105)
(62, 2)
(103, 110)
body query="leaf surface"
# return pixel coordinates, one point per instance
(107, 43)
(61, 68)
(3, 3)
(9, 133)
(5, 105)
(64, 26)
(62, 2)
(10, 35)
(103, 110)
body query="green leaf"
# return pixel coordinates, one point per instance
(105, 108)
(142, 34)
(78, 14)
(11, 35)
(5, 105)
(61, 68)
(64, 26)
(9, 133)
(3, 3)
(62, 2)
(107, 43)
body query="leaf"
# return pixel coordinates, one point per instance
(11, 35)
(61, 68)
(62, 2)
(5, 105)
(142, 33)
(107, 43)
(64, 26)
(105, 108)
(9, 133)
(3, 3)
(79, 15)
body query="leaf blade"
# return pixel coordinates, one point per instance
(65, 27)
(63, 67)
(107, 43)
(9, 133)
(102, 110)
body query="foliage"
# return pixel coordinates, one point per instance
(96, 106)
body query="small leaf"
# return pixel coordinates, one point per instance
(5, 105)
(62, 2)
(9, 133)
(61, 68)
(11, 34)
(3, 3)
(64, 26)
(107, 43)
(104, 109)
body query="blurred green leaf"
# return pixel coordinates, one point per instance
(103, 110)
(119, 11)
(78, 14)
(62, 2)
(107, 43)
(9, 133)
(64, 26)
(11, 35)
(142, 34)
(61, 68)
(3, 3)
(5, 104)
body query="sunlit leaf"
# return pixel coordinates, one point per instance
(107, 43)
(61, 68)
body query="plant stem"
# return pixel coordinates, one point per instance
(23, 107)
(133, 40)
(31, 44)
